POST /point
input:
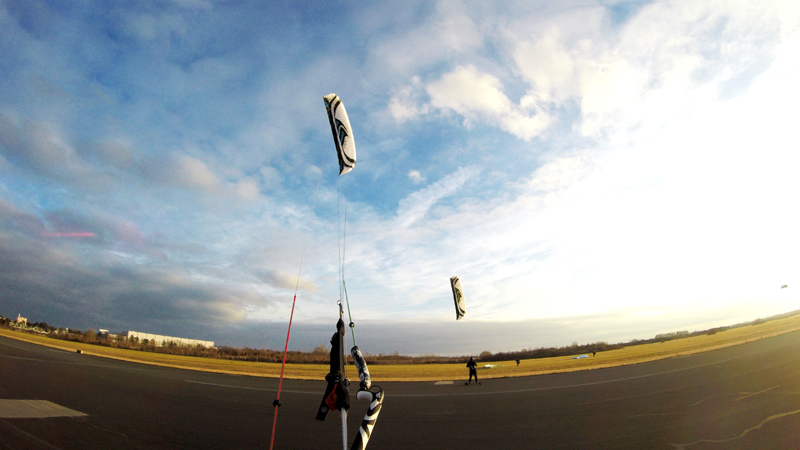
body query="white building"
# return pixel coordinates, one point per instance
(160, 340)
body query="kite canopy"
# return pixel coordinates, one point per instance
(458, 297)
(342, 133)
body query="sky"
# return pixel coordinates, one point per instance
(591, 170)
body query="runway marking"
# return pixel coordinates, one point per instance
(743, 433)
(756, 393)
(34, 409)
(141, 368)
(50, 361)
(662, 414)
(14, 346)
(250, 388)
(683, 387)
(716, 396)
(83, 421)
(39, 348)
(32, 437)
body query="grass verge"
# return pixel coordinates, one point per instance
(438, 372)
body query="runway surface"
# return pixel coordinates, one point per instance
(742, 397)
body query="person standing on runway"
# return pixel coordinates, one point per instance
(473, 370)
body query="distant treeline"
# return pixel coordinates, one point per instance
(321, 354)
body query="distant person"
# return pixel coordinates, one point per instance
(594, 353)
(518, 362)
(473, 370)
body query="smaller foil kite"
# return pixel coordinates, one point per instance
(342, 133)
(784, 286)
(458, 297)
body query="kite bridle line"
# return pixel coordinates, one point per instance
(344, 341)
(277, 402)
(343, 285)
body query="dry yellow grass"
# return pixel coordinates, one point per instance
(437, 372)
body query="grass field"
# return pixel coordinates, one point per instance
(441, 372)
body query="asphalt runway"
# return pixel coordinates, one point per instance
(743, 397)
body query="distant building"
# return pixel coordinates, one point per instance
(160, 340)
(105, 335)
(21, 320)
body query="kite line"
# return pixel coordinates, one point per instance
(277, 402)
(342, 253)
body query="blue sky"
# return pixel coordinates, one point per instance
(590, 170)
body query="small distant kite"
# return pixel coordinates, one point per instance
(458, 297)
(784, 286)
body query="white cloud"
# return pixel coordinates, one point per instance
(150, 27)
(192, 172)
(415, 206)
(247, 189)
(416, 177)
(469, 93)
(455, 27)
(479, 97)
(286, 280)
(40, 148)
(547, 66)
(654, 66)
(558, 175)
(271, 177)
(404, 104)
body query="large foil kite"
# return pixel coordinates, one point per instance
(342, 133)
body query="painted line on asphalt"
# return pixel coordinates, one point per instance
(231, 386)
(34, 409)
(29, 350)
(103, 363)
(663, 414)
(715, 397)
(756, 393)
(741, 435)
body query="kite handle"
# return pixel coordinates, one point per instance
(365, 430)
